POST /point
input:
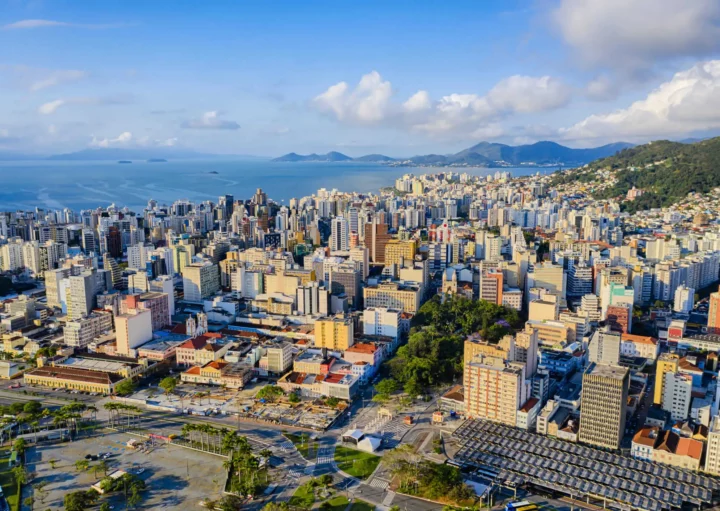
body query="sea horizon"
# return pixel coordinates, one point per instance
(79, 185)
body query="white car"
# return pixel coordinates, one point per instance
(140, 471)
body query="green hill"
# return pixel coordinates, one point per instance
(666, 171)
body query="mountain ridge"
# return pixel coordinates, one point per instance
(486, 154)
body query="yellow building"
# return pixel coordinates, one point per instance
(667, 363)
(396, 250)
(392, 295)
(336, 333)
(74, 379)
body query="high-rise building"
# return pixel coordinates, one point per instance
(200, 281)
(677, 394)
(339, 234)
(81, 294)
(393, 296)
(376, 238)
(491, 286)
(684, 299)
(712, 453)
(382, 321)
(495, 388)
(604, 347)
(312, 299)
(603, 405)
(396, 251)
(714, 312)
(335, 333)
(132, 330)
(345, 279)
(667, 363)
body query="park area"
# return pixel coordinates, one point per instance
(319, 493)
(356, 463)
(7, 481)
(173, 477)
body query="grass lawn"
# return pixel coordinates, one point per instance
(305, 446)
(338, 503)
(7, 481)
(361, 505)
(303, 497)
(358, 464)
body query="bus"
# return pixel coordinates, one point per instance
(523, 505)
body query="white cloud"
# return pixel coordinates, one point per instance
(52, 106)
(36, 23)
(211, 121)
(638, 33)
(418, 102)
(529, 94)
(126, 139)
(688, 102)
(470, 115)
(56, 78)
(367, 103)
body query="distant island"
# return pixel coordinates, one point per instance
(124, 161)
(157, 160)
(213, 172)
(484, 154)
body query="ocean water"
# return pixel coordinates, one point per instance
(81, 185)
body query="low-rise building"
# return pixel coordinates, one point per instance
(220, 373)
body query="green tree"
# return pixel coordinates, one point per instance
(105, 506)
(168, 384)
(32, 407)
(326, 479)
(20, 445)
(387, 386)
(82, 465)
(125, 388)
(29, 502)
(79, 500)
(17, 407)
(276, 506)
(269, 393)
(332, 401)
(293, 397)
(134, 498)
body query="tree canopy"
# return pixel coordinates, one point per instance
(433, 354)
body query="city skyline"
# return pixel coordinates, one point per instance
(237, 78)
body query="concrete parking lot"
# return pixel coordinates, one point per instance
(176, 478)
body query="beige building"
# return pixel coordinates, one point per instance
(552, 333)
(712, 455)
(495, 389)
(336, 333)
(278, 357)
(200, 281)
(393, 296)
(667, 363)
(604, 405)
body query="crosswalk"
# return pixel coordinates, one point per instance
(379, 483)
(286, 446)
(321, 460)
(295, 474)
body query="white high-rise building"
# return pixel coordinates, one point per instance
(138, 256)
(200, 281)
(684, 299)
(339, 235)
(382, 321)
(677, 394)
(11, 255)
(31, 257)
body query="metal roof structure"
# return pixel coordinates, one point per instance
(624, 483)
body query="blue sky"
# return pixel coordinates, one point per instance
(399, 77)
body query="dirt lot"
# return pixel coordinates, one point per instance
(176, 478)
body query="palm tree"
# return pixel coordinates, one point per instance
(35, 425)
